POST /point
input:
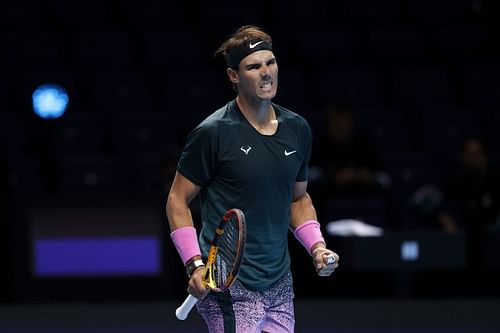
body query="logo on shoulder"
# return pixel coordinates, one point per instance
(288, 153)
(245, 149)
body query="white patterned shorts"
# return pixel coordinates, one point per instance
(240, 310)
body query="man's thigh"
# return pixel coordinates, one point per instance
(279, 307)
(236, 311)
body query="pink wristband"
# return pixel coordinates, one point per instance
(308, 234)
(186, 243)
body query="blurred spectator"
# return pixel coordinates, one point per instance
(471, 202)
(347, 165)
(471, 195)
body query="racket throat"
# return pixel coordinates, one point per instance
(209, 277)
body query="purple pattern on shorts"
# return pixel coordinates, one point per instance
(271, 310)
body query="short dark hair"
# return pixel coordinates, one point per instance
(241, 36)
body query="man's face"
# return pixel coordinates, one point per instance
(257, 76)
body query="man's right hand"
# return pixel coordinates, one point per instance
(196, 286)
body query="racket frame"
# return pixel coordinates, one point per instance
(209, 273)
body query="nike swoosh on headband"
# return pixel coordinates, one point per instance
(254, 45)
(239, 52)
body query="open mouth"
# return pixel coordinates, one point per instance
(267, 86)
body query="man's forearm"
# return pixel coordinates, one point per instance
(183, 233)
(302, 210)
(304, 224)
(178, 214)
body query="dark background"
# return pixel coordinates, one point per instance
(418, 74)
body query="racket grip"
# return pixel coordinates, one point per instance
(182, 311)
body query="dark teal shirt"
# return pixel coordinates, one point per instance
(237, 167)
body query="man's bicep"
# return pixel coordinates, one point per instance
(183, 189)
(181, 193)
(302, 209)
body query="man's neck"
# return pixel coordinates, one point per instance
(259, 113)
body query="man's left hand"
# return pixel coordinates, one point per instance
(325, 261)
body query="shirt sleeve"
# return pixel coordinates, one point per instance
(198, 158)
(305, 137)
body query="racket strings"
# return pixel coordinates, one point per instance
(227, 252)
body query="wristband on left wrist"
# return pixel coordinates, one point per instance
(309, 235)
(193, 265)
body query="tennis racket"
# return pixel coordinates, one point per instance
(224, 257)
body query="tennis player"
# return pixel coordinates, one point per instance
(251, 154)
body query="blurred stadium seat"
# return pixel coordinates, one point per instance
(443, 130)
(408, 171)
(25, 177)
(311, 13)
(471, 43)
(154, 173)
(116, 90)
(337, 45)
(4, 95)
(103, 48)
(20, 12)
(496, 139)
(95, 175)
(447, 10)
(80, 12)
(227, 13)
(31, 48)
(389, 130)
(173, 47)
(14, 129)
(194, 89)
(149, 12)
(375, 10)
(355, 86)
(482, 86)
(141, 132)
(81, 133)
(421, 85)
(395, 44)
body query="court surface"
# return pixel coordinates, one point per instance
(319, 316)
